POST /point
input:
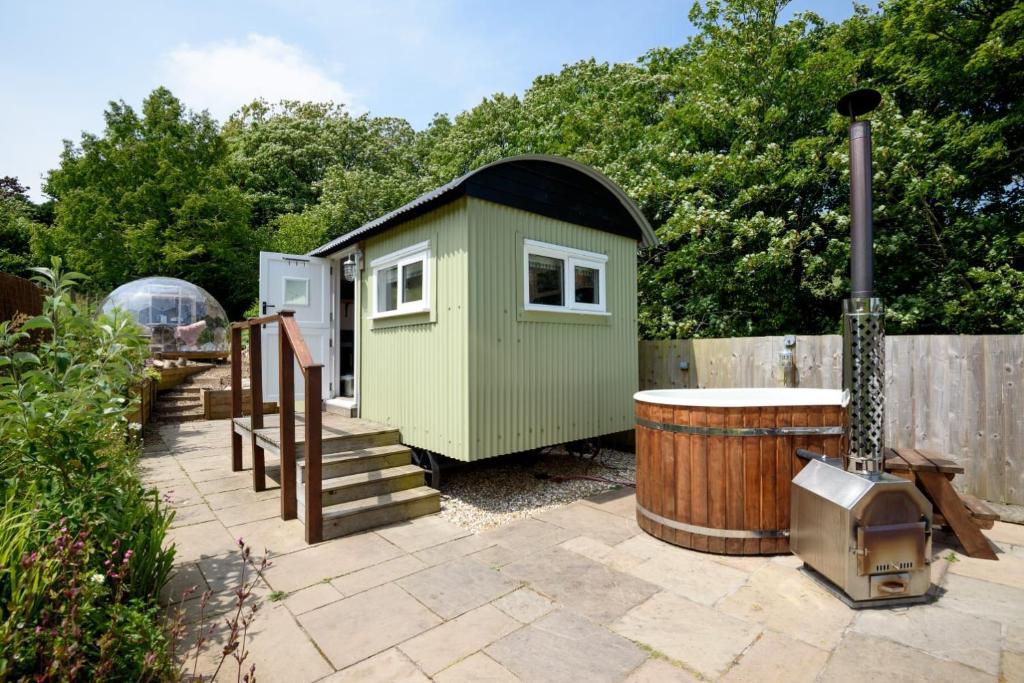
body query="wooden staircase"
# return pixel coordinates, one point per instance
(184, 401)
(181, 404)
(368, 479)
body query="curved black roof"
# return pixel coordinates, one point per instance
(547, 185)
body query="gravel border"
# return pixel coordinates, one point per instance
(499, 491)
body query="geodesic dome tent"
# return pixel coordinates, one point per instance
(176, 315)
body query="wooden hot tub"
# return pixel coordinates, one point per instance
(713, 466)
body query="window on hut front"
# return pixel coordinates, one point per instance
(563, 279)
(401, 281)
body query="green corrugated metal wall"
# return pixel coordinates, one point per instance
(533, 383)
(479, 377)
(413, 368)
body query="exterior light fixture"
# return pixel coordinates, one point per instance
(350, 268)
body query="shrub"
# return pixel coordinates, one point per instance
(81, 557)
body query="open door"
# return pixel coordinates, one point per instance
(301, 284)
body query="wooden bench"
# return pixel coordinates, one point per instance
(964, 514)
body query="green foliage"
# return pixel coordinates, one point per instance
(729, 143)
(312, 172)
(68, 608)
(64, 399)
(152, 196)
(16, 226)
(81, 556)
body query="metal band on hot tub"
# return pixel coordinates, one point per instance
(707, 531)
(740, 431)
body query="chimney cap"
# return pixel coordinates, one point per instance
(858, 102)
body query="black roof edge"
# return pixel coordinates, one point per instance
(455, 188)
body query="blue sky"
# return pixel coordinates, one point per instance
(63, 61)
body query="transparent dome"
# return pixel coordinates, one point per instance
(176, 315)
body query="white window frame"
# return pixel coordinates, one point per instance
(570, 258)
(401, 258)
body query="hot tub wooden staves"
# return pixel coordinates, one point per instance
(717, 478)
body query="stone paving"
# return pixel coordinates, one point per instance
(579, 593)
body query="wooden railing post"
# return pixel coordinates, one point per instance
(259, 476)
(236, 397)
(312, 456)
(286, 401)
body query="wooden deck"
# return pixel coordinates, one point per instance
(333, 426)
(368, 479)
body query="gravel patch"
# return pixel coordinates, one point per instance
(502, 490)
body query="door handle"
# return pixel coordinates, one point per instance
(266, 306)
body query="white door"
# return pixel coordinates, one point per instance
(301, 284)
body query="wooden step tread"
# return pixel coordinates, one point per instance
(179, 400)
(336, 483)
(162, 408)
(359, 454)
(272, 435)
(355, 507)
(178, 407)
(180, 417)
(180, 390)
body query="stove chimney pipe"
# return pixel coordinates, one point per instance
(861, 237)
(863, 329)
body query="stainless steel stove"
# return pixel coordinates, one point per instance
(864, 533)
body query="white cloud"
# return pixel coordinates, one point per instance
(223, 76)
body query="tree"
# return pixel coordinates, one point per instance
(752, 241)
(280, 153)
(745, 169)
(729, 143)
(152, 196)
(313, 172)
(16, 226)
(950, 147)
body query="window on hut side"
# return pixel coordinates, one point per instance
(400, 281)
(546, 280)
(563, 279)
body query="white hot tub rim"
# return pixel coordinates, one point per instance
(744, 397)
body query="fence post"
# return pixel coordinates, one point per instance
(312, 450)
(259, 476)
(286, 401)
(236, 397)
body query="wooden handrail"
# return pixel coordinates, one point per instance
(262, 320)
(292, 347)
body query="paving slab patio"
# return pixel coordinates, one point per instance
(588, 587)
(864, 658)
(524, 605)
(466, 634)
(455, 587)
(352, 629)
(706, 641)
(576, 593)
(565, 646)
(478, 668)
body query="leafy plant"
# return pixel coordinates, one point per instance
(81, 541)
(68, 608)
(237, 622)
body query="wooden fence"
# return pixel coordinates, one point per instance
(962, 396)
(18, 295)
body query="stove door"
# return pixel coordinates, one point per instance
(887, 548)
